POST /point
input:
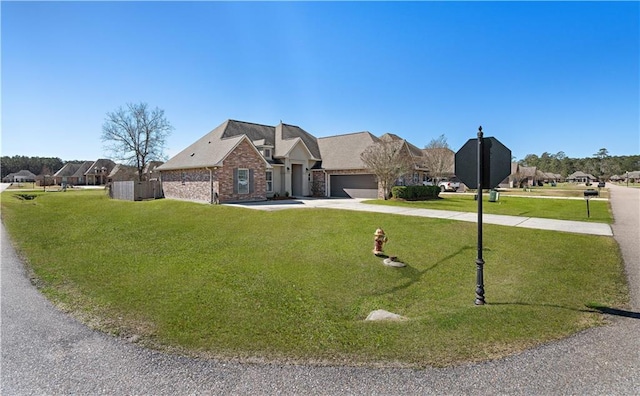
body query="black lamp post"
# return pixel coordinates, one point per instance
(479, 259)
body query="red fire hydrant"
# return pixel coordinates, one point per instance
(379, 239)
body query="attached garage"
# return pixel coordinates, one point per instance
(354, 186)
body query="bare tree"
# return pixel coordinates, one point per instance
(136, 135)
(388, 160)
(439, 159)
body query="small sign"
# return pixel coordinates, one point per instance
(496, 163)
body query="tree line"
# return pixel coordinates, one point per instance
(601, 164)
(36, 165)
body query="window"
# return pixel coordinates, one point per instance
(267, 153)
(243, 181)
(183, 177)
(269, 181)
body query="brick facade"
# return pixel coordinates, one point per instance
(244, 156)
(198, 184)
(318, 187)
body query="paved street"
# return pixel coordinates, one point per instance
(46, 352)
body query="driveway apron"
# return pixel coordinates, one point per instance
(44, 351)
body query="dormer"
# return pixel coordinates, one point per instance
(265, 149)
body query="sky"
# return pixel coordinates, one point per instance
(537, 76)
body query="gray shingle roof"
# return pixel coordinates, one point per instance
(287, 136)
(413, 150)
(69, 169)
(343, 151)
(24, 173)
(212, 148)
(84, 167)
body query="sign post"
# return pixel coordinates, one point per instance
(482, 163)
(479, 259)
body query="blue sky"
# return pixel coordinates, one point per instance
(538, 76)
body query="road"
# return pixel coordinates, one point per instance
(44, 351)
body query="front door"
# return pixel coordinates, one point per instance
(296, 180)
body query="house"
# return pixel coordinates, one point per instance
(72, 173)
(150, 171)
(581, 177)
(420, 172)
(550, 177)
(528, 176)
(243, 161)
(19, 177)
(443, 159)
(122, 173)
(84, 173)
(632, 177)
(525, 176)
(98, 172)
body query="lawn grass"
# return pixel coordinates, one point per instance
(563, 209)
(296, 285)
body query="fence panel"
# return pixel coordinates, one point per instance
(135, 191)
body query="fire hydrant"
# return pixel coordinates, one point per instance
(379, 239)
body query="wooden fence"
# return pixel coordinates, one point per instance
(135, 191)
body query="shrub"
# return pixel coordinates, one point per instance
(415, 193)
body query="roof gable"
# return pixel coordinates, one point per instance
(286, 137)
(67, 169)
(211, 149)
(84, 167)
(343, 151)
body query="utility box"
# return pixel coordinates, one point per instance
(494, 196)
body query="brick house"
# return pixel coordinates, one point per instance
(84, 173)
(242, 161)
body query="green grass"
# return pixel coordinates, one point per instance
(564, 209)
(296, 285)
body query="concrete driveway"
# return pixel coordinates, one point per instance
(45, 352)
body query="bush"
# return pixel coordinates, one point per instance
(415, 193)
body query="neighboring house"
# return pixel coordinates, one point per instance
(581, 177)
(150, 172)
(122, 173)
(420, 172)
(19, 177)
(72, 173)
(443, 159)
(529, 176)
(549, 177)
(632, 177)
(84, 173)
(616, 178)
(242, 161)
(98, 172)
(130, 173)
(523, 176)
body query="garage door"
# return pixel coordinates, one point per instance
(354, 186)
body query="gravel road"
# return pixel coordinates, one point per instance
(46, 352)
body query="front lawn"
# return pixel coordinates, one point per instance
(296, 285)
